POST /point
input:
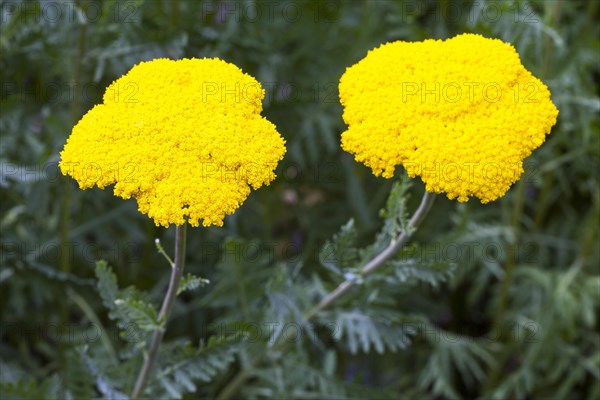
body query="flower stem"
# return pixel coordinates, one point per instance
(165, 310)
(396, 244)
(382, 257)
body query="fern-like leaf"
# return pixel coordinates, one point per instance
(340, 252)
(191, 282)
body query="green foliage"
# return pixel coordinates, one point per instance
(340, 252)
(183, 365)
(125, 305)
(191, 282)
(486, 301)
(30, 389)
(377, 329)
(454, 358)
(396, 213)
(412, 271)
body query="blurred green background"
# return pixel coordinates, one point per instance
(514, 314)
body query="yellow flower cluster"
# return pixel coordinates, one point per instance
(184, 138)
(461, 113)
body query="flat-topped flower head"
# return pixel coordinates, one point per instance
(185, 138)
(461, 113)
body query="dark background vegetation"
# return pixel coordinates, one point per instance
(501, 300)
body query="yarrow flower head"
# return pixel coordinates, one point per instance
(185, 138)
(461, 113)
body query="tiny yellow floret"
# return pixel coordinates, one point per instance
(184, 138)
(461, 113)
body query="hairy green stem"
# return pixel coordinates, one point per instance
(396, 244)
(165, 311)
(382, 257)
